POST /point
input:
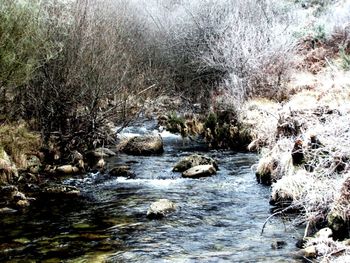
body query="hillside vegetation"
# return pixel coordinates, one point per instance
(271, 74)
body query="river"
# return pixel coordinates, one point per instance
(219, 218)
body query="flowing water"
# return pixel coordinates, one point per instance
(219, 218)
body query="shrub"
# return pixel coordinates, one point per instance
(21, 44)
(345, 59)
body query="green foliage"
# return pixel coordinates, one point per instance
(319, 33)
(345, 59)
(211, 121)
(175, 123)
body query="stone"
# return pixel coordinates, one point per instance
(194, 160)
(324, 233)
(33, 164)
(121, 171)
(22, 203)
(77, 156)
(60, 190)
(8, 191)
(100, 153)
(310, 252)
(160, 209)
(144, 145)
(67, 169)
(19, 196)
(278, 244)
(199, 171)
(7, 210)
(101, 164)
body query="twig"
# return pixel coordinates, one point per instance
(275, 214)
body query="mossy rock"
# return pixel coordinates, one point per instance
(144, 145)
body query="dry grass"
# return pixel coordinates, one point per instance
(320, 105)
(18, 141)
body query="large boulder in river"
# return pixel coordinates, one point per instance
(192, 161)
(144, 145)
(199, 171)
(160, 209)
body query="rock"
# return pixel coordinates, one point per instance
(77, 156)
(67, 169)
(278, 244)
(33, 164)
(160, 209)
(144, 145)
(60, 190)
(121, 171)
(254, 145)
(310, 252)
(324, 233)
(19, 196)
(22, 204)
(7, 210)
(194, 160)
(199, 171)
(7, 192)
(100, 164)
(100, 153)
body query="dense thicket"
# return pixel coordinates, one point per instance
(69, 66)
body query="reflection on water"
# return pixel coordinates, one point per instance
(219, 218)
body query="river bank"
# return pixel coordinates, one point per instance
(304, 156)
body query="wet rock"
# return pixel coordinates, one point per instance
(9, 195)
(67, 169)
(31, 188)
(160, 209)
(199, 171)
(7, 210)
(144, 145)
(278, 244)
(101, 164)
(77, 156)
(7, 192)
(194, 160)
(19, 196)
(58, 190)
(22, 204)
(121, 171)
(33, 164)
(100, 153)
